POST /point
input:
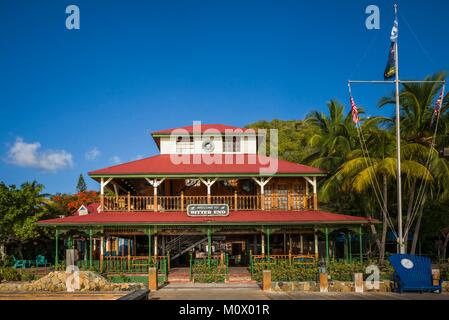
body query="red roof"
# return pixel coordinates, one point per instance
(235, 217)
(239, 164)
(202, 128)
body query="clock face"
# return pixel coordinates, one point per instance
(407, 263)
(208, 146)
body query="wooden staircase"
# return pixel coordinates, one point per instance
(240, 275)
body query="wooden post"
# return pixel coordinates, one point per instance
(56, 248)
(262, 243)
(235, 201)
(102, 194)
(209, 245)
(266, 280)
(350, 247)
(268, 242)
(154, 197)
(134, 246)
(360, 244)
(155, 248)
(262, 201)
(324, 284)
(358, 282)
(101, 254)
(182, 200)
(129, 201)
(301, 244)
(129, 253)
(285, 243)
(315, 197)
(152, 279)
(90, 248)
(316, 246)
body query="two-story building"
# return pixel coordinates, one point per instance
(211, 191)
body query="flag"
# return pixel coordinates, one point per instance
(436, 110)
(354, 111)
(390, 69)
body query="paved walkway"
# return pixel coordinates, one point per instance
(233, 291)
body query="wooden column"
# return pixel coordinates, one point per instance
(90, 248)
(235, 201)
(155, 247)
(285, 243)
(262, 243)
(101, 253)
(360, 244)
(315, 197)
(129, 201)
(255, 244)
(209, 245)
(56, 248)
(182, 200)
(316, 246)
(301, 244)
(102, 194)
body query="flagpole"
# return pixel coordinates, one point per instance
(398, 142)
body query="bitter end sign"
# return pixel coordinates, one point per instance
(207, 210)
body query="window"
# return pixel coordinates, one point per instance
(231, 145)
(184, 145)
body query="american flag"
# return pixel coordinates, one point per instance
(436, 111)
(354, 111)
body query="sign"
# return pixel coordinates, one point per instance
(207, 210)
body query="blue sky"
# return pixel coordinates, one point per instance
(72, 101)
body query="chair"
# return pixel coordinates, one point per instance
(413, 273)
(20, 263)
(41, 261)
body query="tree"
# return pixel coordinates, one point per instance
(417, 109)
(81, 185)
(20, 209)
(66, 204)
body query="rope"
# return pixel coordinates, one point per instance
(423, 186)
(376, 187)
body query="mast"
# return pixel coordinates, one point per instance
(398, 141)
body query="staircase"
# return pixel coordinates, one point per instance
(182, 244)
(239, 275)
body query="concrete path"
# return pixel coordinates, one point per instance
(234, 291)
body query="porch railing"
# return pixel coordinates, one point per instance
(134, 264)
(235, 202)
(266, 261)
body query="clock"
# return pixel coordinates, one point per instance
(407, 263)
(208, 146)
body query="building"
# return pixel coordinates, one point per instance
(211, 194)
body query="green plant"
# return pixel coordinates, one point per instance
(10, 274)
(283, 270)
(205, 273)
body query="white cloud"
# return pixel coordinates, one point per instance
(92, 154)
(28, 155)
(115, 159)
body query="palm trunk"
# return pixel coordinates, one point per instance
(411, 199)
(417, 227)
(384, 222)
(2, 251)
(376, 236)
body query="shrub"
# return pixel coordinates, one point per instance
(282, 270)
(204, 273)
(10, 274)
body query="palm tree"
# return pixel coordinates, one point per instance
(366, 166)
(417, 100)
(334, 136)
